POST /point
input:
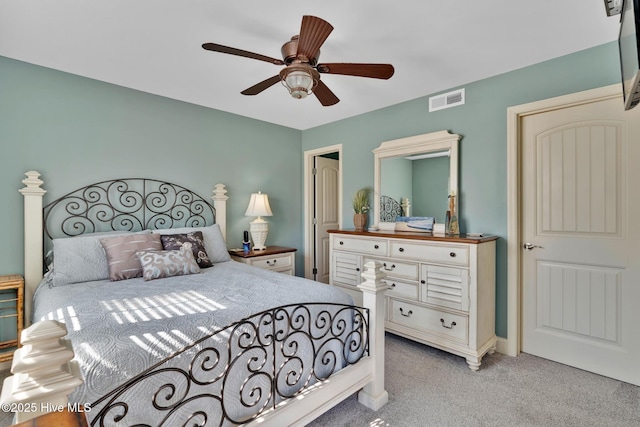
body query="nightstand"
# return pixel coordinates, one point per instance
(12, 308)
(274, 258)
(61, 418)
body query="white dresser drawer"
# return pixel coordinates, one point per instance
(445, 254)
(402, 289)
(432, 321)
(395, 268)
(273, 262)
(363, 246)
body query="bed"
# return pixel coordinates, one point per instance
(191, 337)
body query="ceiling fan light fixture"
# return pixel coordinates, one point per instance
(299, 79)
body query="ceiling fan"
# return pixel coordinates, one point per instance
(301, 74)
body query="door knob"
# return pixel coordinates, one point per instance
(528, 246)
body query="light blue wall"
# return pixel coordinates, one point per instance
(77, 131)
(482, 124)
(430, 195)
(397, 182)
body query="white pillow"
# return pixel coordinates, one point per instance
(213, 242)
(81, 258)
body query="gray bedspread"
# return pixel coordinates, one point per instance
(118, 329)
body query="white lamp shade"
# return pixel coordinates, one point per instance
(259, 228)
(258, 205)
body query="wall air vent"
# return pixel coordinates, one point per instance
(446, 100)
(613, 7)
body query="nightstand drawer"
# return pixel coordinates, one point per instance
(274, 258)
(273, 262)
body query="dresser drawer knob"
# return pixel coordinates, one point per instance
(452, 254)
(393, 285)
(357, 268)
(271, 263)
(423, 281)
(409, 313)
(388, 268)
(376, 247)
(401, 249)
(341, 242)
(448, 327)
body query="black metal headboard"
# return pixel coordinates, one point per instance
(129, 204)
(390, 208)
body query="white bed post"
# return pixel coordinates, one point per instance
(44, 373)
(220, 203)
(33, 240)
(373, 395)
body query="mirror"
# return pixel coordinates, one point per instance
(414, 176)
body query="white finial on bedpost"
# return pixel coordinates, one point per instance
(220, 203)
(33, 243)
(406, 206)
(44, 374)
(373, 395)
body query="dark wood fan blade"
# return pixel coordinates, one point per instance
(239, 52)
(265, 84)
(375, 71)
(313, 32)
(324, 95)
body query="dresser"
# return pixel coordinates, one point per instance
(441, 289)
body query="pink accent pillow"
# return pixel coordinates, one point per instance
(121, 254)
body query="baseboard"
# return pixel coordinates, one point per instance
(502, 346)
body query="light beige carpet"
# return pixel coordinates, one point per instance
(428, 387)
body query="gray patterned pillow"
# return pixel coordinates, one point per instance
(121, 254)
(167, 263)
(194, 239)
(213, 241)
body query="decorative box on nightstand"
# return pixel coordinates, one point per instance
(274, 258)
(11, 314)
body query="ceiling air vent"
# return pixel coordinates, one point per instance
(446, 100)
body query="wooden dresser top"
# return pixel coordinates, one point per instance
(462, 238)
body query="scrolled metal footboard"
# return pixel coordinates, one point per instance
(236, 374)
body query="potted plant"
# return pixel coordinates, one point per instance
(360, 208)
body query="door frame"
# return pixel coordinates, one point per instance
(512, 346)
(309, 156)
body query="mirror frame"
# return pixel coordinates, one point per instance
(419, 144)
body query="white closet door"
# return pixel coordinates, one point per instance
(327, 215)
(581, 219)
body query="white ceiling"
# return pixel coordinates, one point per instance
(435, 45)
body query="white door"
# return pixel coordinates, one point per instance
(326, 212)
(581, 217)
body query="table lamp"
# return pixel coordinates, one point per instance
(259, 228)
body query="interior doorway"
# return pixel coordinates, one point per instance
(323, 207)
(575, 250)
